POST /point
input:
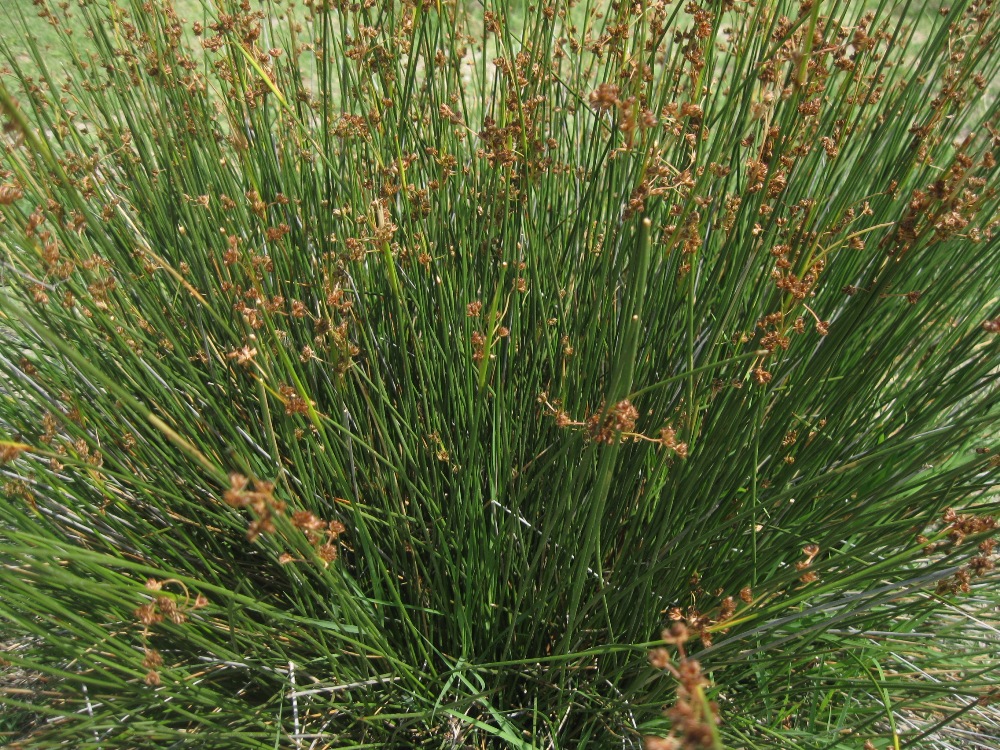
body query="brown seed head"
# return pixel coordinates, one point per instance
(605, 97)
(10, 194)
(306, 521)
(147, 614)
(659, 658)
(676, 634)
(152, 658)
(10, 452)
(327, 553)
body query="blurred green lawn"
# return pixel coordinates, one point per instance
(19, 18)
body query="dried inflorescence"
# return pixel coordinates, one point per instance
(260, 499)
(604, 97)
(951, 535)
(693, 717)
(10, 452)
(705, 624)
(320, 533)
(803, 566)
(609, 425)
(159, 608)
(152, 661)
(10, 194)
(668, 439)
(294, 403)
(614, 425)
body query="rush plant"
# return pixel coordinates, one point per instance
(449, 374)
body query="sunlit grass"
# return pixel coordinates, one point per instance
(398, 375)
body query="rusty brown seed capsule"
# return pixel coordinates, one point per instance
(10, 194)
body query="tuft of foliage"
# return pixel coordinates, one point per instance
(381, 374)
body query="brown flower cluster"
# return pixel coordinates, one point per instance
(160, 608)
(9, 452)
(243, 356)
(775, 330)
(321, 534)
(798, 288)
(615, 424)
(947, 206)
(10, 194)
(693, 717)
(668, 439)
(478, 341)
(702, 624)
(957, 528)
(294, 403)
(261, 500)
(631, 116)
(605, 97)
(808, 576)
